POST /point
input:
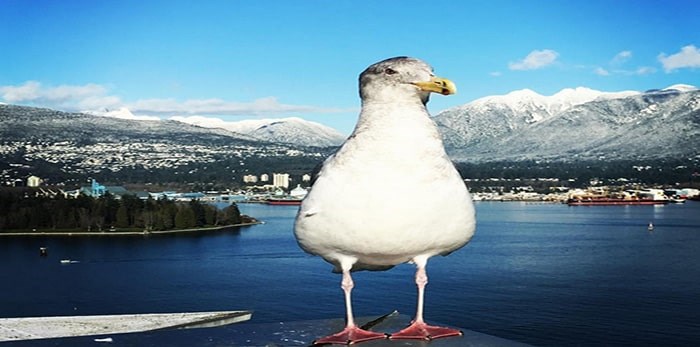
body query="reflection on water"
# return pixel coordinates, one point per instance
(545, 274)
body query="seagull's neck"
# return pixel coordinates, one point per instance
(395, 130)
(395, 118)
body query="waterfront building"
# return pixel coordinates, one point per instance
(97, 190)
(264, 178)
(34, 181)
(280, 180)
(250, 179)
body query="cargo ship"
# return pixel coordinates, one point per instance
(284, 201)
(293, 198)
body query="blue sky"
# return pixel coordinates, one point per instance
(238, 60)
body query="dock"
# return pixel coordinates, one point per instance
(250, 333)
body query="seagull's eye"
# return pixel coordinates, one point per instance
(389, 71)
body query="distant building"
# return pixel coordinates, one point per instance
(169, 195)
(34, 181)
(250, 179)
(97, 190)
(264, 178)
(306, 178)
(280, 180)
(190, 196)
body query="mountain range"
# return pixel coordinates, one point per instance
(575, 124)
(292, 130)
(572, 125)
(68, 147)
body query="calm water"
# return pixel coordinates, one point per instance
(545, 274)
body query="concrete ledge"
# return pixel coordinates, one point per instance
(30, 328)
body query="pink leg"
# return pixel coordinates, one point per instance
(418, 328)
(352, 333)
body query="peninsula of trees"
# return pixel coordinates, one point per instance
(26, 210)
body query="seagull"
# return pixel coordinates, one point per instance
(390, 194)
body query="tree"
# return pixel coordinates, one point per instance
(198, 211)
(231, 215)
(122, 220)
(167, 214)
(210, 215)
(134, 207)
(185, 218)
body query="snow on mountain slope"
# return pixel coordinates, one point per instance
(121, 113)
(291, 130)
(574, 123)
(539, 106)
(681, 87)
(286, 130)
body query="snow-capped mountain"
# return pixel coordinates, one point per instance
(285, 130)
(292, 130)
(578, 123)
(63, 146)
(681, 88)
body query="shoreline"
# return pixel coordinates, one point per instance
(125, 233)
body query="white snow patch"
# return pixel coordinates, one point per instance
(122, 113)
(681, 87)
(291, 129)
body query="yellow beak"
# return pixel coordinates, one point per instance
(437, 85)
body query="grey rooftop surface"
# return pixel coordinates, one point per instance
(249, 333)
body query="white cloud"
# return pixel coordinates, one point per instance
(621, 57)
(495, 73)
(67, 97)
(535, 60)
(644, 70)
(688, 57)
(14, 94)
(601, 72)
(96, 99)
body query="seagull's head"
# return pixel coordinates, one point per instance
(402, 79)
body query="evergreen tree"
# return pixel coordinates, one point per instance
(231, 215)
(168, 212)
(122, 218)
(185, 218)
(198, 211)
(210, 215)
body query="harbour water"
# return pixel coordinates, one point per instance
(544, 274)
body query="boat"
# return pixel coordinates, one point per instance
(68, 261)
(284, 201)
(294, 197)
